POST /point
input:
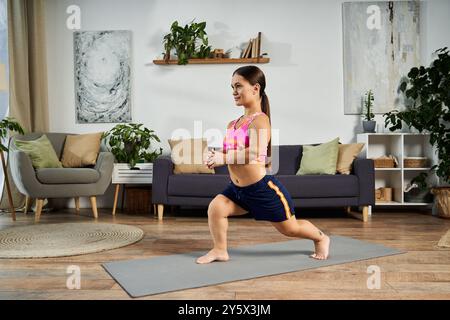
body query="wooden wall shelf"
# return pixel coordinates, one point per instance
(214, 61)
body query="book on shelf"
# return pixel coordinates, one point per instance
(250, 46)
(258, 50)
(244, 54)
(253, 48)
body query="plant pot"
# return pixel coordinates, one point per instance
(369, 126)
(416, 195)
(442, 201)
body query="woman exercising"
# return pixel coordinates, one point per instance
(251, 189)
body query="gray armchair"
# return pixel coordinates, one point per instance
(58, 182)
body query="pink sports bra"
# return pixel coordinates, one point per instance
(238, 138)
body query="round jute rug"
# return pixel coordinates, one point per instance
(65, 239)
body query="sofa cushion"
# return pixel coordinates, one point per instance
(320, 186)
(188, 156)
(67, 175)
(347, 154)
(320, 159)
(197, 184)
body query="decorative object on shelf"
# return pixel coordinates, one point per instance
(130, 143)
(218, 53)
(381, 42)
(233, 53)
(383, 194)
(5, 125)
(184, 41)
(102, 76)
(428, 108)
(386, 162)
(368, 124)
(418, 190)
(415, 162)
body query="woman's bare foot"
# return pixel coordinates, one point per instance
(214, 255)
(322, 248)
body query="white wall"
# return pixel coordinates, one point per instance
(304, 78)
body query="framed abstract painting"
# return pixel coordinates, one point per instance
(380, 44)
(102, 76)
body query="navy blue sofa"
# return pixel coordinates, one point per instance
(354, 190)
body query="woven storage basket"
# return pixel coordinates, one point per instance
(384, 163)
(138, 199)
(415, 162)
(442, 198)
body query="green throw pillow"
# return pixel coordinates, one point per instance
(321, 159)
(40, 151)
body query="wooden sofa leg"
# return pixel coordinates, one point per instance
(94, 206)
(366, 213)
(39, 205)
(77, 205)
(160, 211)
(364, 216)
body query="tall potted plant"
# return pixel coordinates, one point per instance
(184, 41)
(8, 124)
(131, 143)
(368, 123)
(427, 91)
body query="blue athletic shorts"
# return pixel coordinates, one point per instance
(266, 199)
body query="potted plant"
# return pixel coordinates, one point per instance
(184, 41)
(130, 143)
(368, 123)
(8, 124)
(427, 110)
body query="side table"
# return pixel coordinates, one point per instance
(122, 175)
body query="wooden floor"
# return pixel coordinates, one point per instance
(422, 273)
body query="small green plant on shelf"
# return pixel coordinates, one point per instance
(184, 41)
(368, 104)
(131, 143)
(368, 122)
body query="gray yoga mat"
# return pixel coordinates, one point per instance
(177, 272)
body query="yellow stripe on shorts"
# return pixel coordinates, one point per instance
(282, 198)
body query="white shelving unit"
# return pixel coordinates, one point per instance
(400, 145)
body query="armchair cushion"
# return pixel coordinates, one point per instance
(67, 175)
(40, 151)
(81, 150)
